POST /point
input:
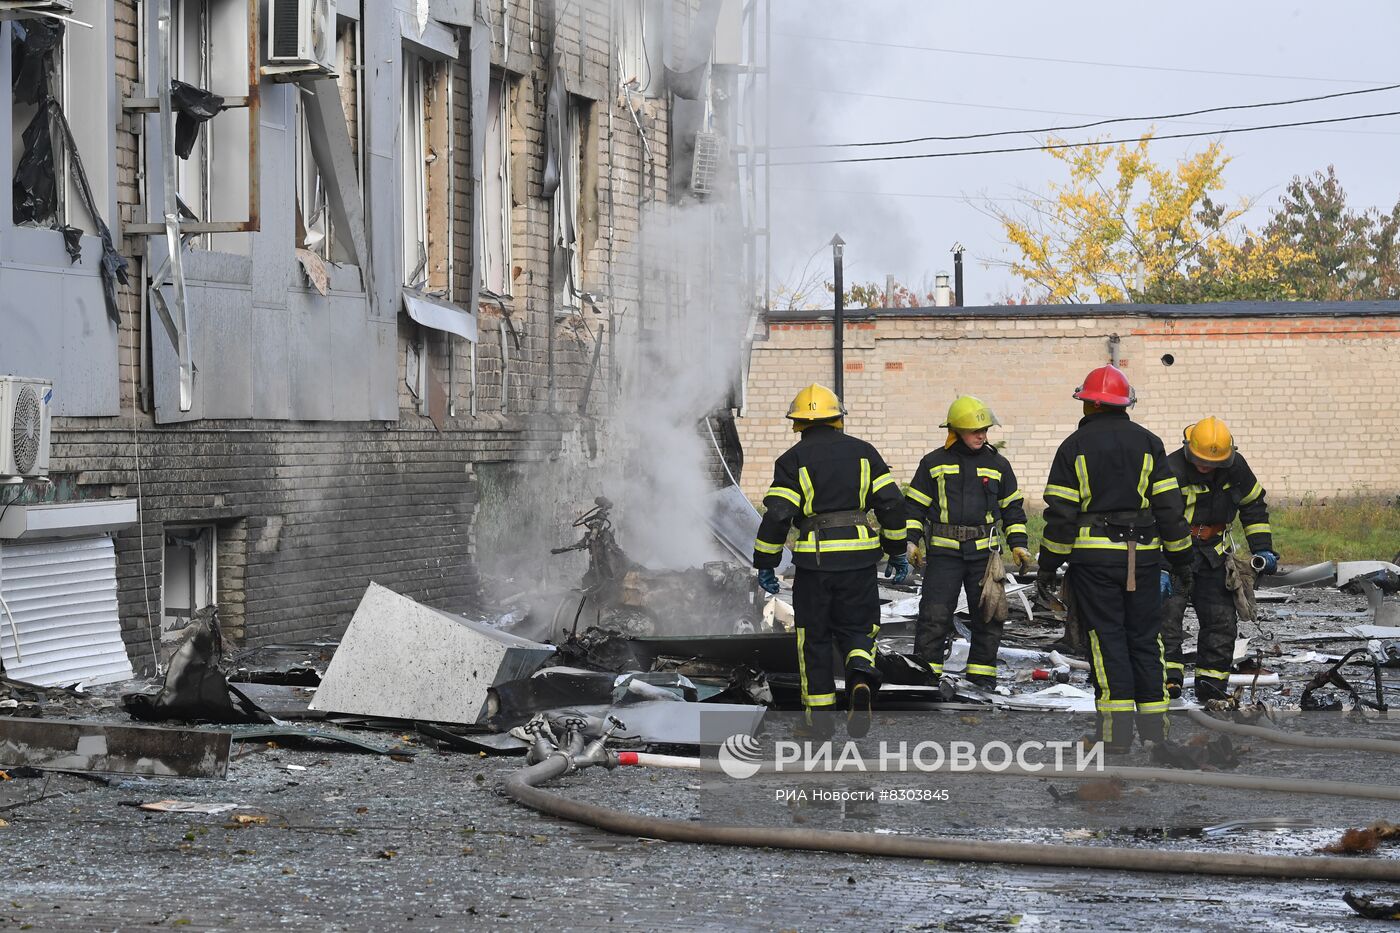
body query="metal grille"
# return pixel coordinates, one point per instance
(704, 171)
(286, 23)
(25, 433)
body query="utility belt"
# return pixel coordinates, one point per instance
(961, 532)
(1208, 532)
(813, 525)
(1130, 526)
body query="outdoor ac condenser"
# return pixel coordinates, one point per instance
(22, 9)
(24, 428)
(301, 36)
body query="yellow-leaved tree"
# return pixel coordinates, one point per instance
(1125, 228)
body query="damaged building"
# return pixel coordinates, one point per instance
(280, 280)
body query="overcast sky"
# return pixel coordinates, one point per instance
(903, 217)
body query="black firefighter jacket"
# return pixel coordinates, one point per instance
(959, 486)
(1215, 498)
(830, 471)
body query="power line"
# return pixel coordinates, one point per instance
(1072, 61)
(1104, 122)
(1087, 144)
(897, 194)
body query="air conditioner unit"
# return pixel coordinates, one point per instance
(301, 37)
(22, 9)
(24, 428)
(710, 152)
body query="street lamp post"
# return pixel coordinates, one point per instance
(838, 324)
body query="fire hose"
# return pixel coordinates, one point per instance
(1269, 734)
(553, 762)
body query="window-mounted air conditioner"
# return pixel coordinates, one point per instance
(24, 428)
(23, 9)
(301, 38)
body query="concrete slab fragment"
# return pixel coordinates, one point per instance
(400, 659)
(60, 745)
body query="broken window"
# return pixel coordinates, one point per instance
(415, 170)
(633, 58)
(210, 53)
(567, 200)
(188, 578)
(315, 229)
(494, 252)
(55, 69)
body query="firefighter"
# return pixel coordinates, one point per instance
(825, 484)
(1113, 509)
(961, 490)
(1216, 484)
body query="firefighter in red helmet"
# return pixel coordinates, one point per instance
(1113, 513)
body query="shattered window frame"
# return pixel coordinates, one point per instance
(494, 253)
(317, 221)
(214, 182)
(413, 182)
(635, 67)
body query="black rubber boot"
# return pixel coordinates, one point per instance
(818, 726)
(860, 698)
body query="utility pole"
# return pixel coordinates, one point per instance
(838, 324)
(957, 275)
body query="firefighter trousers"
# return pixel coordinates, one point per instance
(1125, 650)
(1219, 626)
(944, 576)
(834, 610)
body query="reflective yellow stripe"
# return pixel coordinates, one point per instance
(1062, 492)
(782, 492)
(1017, 529)
(1260, 529)
(1115, 706)
(1212, 674)
(1087, 541)
(1191, 492)
(821, 699)
(942, 480)
(763, 547)
(809, 497)
(989, 473)
(912, 493)
(874, 630)
(1096, 664)
(1165, 485)
(981, 544)
(1161, 659)
(1253, 494)
(1144, 478)
(894, 534)
(913, 524)
(943, 469)
(1081, 470)
(936, 668)
(1175, 664)
(864, 481)
(988, 670)
(1017, 495)
(1156, 706)
(859, 653)
(1180, 544)
(1055, 547)
(881, 482)
(838, 544)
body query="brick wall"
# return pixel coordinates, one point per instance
(1313, 401)
(307, 514)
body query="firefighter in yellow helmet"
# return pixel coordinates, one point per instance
(961, 491)
(825, 484)
(1217, 485)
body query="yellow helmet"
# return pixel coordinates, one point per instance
(967, 414)
(1209, 444)
(816, 405)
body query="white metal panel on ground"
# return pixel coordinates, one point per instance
(62, 594)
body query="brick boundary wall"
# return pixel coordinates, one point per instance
(1313, 398)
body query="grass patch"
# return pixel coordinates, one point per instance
(1314, 530)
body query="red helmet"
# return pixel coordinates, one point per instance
(1107, 385)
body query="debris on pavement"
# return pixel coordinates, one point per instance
(65, 745)
(1372, 907)
(188, 806)
(195, 690)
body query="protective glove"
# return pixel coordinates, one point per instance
(1270, 560)
(768, 579)
(1166, 584)
(897, 570)
(1182, 579)
(1023, 558)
